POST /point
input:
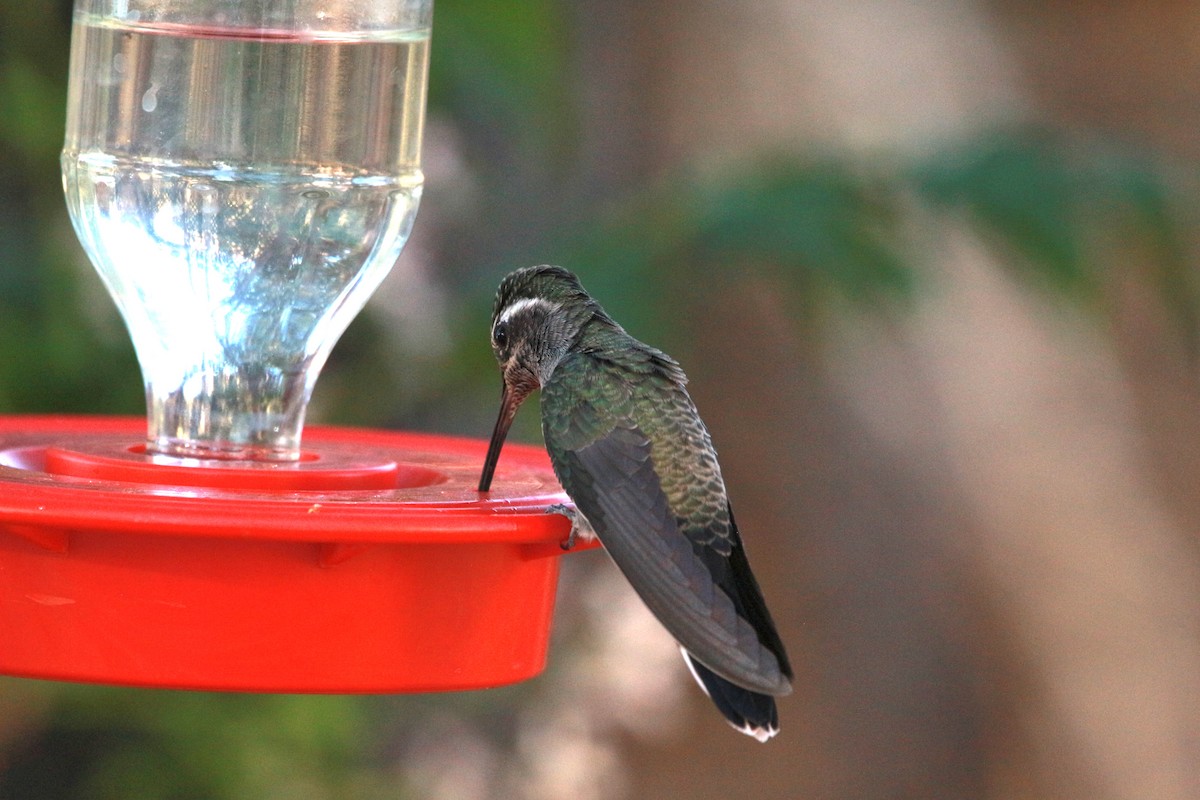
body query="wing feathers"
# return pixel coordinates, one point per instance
(613, 483)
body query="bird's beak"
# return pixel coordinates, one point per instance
(510, 401)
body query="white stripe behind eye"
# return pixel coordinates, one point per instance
(523, 303)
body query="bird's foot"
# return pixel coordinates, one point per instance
(580, 527)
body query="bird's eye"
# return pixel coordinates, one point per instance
(500, 334)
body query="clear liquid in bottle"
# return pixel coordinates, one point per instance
(241, 192)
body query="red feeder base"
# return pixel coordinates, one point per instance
(371, 565)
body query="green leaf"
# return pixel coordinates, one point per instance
(821, 222)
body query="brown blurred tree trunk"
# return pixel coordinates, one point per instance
(982, 588)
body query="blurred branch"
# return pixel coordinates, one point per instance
(828, 227)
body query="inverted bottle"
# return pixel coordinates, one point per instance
(242, 179)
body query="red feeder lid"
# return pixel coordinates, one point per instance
(370, 565)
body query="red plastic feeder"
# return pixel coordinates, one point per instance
(370, 565)
(203, 547)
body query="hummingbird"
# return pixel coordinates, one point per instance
(630, 450)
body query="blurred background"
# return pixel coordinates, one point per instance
(931, 267)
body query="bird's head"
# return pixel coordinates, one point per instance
(537, 317)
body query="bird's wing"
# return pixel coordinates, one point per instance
(613, 482)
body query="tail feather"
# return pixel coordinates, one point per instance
(751, 713)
